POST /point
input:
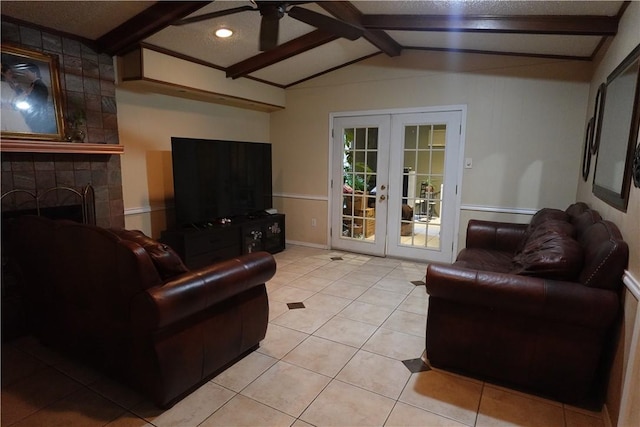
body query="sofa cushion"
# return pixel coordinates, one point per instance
(547, 214)
(585, 220)
(552, 254)
(485, 260)
(576, 209)
(165, 259)
(540, 217)
(551, 226)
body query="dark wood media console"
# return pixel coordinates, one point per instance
(204, 245)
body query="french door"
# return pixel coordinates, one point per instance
(394, 184)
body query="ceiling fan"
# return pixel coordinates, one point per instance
(273, 11)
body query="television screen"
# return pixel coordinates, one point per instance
(215, 179)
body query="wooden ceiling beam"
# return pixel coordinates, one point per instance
(150, 21)
(566, 24)
(286, 50)
(347, 12)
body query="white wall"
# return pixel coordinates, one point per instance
(146, 123)
(623, 408)
(524, 130)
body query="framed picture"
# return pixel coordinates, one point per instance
(618, 133)
(597, 116)
(31, 95)
(586, 156)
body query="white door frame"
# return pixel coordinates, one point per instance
(462, 108)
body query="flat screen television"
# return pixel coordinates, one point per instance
(215, 179)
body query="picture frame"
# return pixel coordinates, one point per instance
(31, 95)
(586, 155)
(597, 117)
(618, 133)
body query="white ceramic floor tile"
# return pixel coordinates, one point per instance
(415, 304)
(330, 272)
(502, 408)
(401, 286)
(311, 283)
(444, 395)
(32, 393)
(244, 412)
(320, 355)
(190, 411)
(394, 344)
(283, 278)
(287, 388)
(17, 365)
(367, 313)
(344, 289)
(129, 420)
(280, 341)
(346, 331)
(376, 373)
(305, 320)
(382, 297)
(288, 294)
(410, 416)
(361, 278)
(409, 323)
(277, 308)
(342, 404)
(327, 303)
(244, 371)
(117, 392)
(83, 408)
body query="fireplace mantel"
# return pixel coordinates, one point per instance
(34, 146)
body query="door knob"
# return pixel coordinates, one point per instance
(383, 187)
(383, 198)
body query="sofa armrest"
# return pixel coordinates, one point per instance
(500, 236)
(198, 290)
(554, 300)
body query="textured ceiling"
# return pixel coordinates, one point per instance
(94, 20)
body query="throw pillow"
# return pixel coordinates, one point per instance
(551, 255)
(166, 260)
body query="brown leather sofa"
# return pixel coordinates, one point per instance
(530, 306)
(127, 305)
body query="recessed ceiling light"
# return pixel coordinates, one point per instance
(223, 33)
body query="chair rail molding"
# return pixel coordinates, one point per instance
(498, 209)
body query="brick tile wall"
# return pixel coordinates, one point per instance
(87, 80)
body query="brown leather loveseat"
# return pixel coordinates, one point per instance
(127, 304)
(530, 306)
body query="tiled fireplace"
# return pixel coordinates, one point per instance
(87, 81)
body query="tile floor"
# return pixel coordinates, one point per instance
(337, 362)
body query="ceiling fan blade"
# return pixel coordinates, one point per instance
(326, 23)
(268, 32)
(212, 15)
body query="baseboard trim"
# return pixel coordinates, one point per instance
(145, 209)
(307, 244)
(301, 196)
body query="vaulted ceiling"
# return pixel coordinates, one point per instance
(573, 30)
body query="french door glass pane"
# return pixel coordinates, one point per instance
(359, 183)
(422, 185)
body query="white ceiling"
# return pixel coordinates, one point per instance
(93, 19)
